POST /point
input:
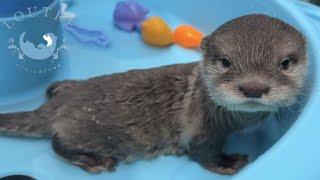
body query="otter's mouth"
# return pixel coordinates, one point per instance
(252, 106)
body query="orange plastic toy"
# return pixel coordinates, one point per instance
(187, 36)
(156, 32)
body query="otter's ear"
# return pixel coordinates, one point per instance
(204, 44)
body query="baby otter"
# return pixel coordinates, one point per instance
(252, 66)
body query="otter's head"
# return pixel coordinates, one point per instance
(254, 63)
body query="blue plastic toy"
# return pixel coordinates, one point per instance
(276, 151)
(88, 36)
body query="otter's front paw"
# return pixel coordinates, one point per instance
(227, 164)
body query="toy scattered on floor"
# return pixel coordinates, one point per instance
(187, 36)
(88, 36)
(128, 15)
(156, 32)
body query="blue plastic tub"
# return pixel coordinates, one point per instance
(275, 151)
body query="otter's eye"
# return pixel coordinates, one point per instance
(285, 63)
(224, 62)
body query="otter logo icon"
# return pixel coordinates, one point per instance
(41, 51)
(38, 48)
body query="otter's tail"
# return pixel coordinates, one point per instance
(28, 124)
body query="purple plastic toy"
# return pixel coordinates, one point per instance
(88, 36)
(128, 15)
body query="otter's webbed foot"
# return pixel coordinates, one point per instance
(92, 165)
(89, 161)
(227, 164)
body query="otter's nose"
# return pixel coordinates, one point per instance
(253, 89)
